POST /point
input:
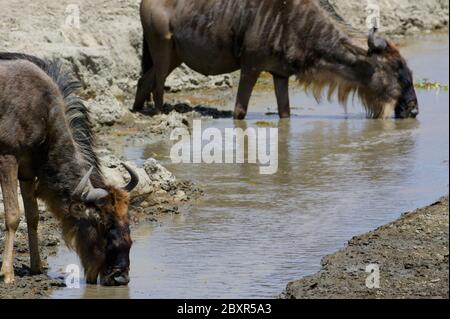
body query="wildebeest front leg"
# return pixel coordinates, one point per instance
(32, 215)
(246, 84)
(145, 87)
(8, 182)
(282, 93)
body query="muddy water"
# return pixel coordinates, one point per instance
(339, 175)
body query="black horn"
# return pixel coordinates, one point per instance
(134, 180)
(377, 44)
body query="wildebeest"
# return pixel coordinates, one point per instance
(47, 144)
(283, 37)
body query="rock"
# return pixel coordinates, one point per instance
(168, 122)
(154, 180)
(180, 196)
(160, 176)
(183, 78)
(117, 175)
(106, 111)
(400, 17)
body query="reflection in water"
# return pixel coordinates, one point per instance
(344, 151)
(339, 175)
(95, 292)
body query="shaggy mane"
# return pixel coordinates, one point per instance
(320, 82)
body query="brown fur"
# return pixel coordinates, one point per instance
(283, 37)
(46, 139)
(87, 237)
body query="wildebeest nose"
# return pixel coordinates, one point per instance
(122, 279)
(414, 112)
(413, 107)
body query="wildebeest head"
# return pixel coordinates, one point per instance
(103, 239)
(391, 85)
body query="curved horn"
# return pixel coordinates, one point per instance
(86, 193)
(134, 181)
(376, 43)
(83, 185)
(96, 196)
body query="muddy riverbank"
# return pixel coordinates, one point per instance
(166, 197)
(104, 49)
(158, 193)
(27, 286)
(412, 255)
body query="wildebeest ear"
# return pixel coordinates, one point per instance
(364, 70)
(377, 44)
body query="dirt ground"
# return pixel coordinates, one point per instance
(412, 255)
(25, 285)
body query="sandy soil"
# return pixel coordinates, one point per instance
(412, 255)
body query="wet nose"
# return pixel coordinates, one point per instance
(414, 112)
(414, 109)
(122, 279)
